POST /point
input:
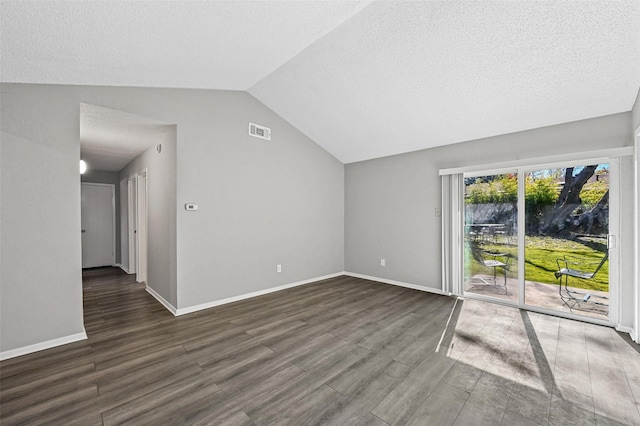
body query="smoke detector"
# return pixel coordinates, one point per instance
(259, 131)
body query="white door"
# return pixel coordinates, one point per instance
(98, 229)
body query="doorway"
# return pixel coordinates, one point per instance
(540, 238)
(137, 217)
(141, 220)
(98, 224)
(131, 225)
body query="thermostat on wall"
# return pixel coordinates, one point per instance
(191, 206)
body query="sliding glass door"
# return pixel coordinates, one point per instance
(539, 238)
(566, 239)
(490, 236)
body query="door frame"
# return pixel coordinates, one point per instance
(113, 216)
(131, 224)
(614, 229)
(142, 219)
(636, 238)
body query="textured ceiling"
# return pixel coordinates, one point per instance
(194, 44)
(110, 139)
(362, 79)
(402, 76)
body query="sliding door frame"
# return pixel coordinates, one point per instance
(614, 228)
(635, 329)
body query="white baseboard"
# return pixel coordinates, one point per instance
(626, 329)
(399, 283)
(162, 300)
(190, 309)
(42, 346)
(196, 308)
(118, 265)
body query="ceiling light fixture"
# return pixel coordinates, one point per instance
(83, 167)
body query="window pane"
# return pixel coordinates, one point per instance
(490, 238)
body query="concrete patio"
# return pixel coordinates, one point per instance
(541, 295)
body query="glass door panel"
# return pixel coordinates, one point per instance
(490, 236)
(566, 240)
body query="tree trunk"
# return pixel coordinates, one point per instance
(595, 219)
(559, 220)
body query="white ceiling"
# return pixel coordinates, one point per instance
(194, 44)
(110, 139)
(362, 79)
(401, 76)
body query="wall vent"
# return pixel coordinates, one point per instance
(260, 131)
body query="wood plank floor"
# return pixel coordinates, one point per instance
(343, 351)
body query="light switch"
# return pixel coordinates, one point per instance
(191, 207)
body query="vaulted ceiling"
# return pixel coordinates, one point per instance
(363, 79)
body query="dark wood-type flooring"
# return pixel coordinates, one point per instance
(343, 351)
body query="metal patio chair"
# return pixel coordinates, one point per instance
(494, 260)
(579, 267)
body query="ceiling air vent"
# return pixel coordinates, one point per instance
(260, 131)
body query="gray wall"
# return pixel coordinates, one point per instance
(261, 202)
(636, 112)
(391, 201)
(161, 226)
(40, 266)
(103, 176)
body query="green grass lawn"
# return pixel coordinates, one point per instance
(540, 261)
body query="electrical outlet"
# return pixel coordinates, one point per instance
(278, 268)
(383, 262)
